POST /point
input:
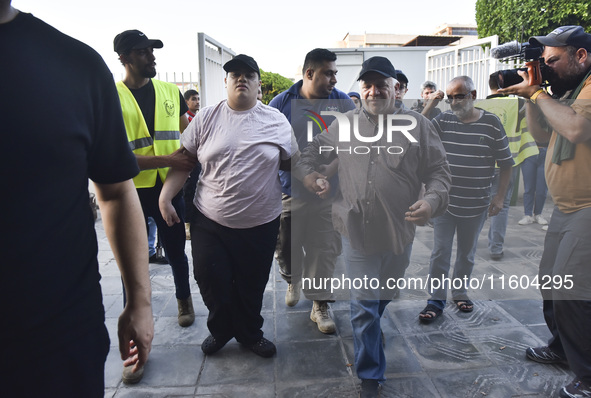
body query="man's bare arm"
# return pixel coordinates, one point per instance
(183, 123)
(125, 227)
(535, 125)
(178, 159)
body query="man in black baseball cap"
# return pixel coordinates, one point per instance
(572, 35)
(378, 86)
(133, 39)
(242, 61)
(403, 89)
(376, 238)
(154, 113)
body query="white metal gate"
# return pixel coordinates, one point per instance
(212, 57)
(471, 59)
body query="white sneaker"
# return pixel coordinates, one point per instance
(545, 228)
(540, 220)
(526, 220)
(322, 318)
(292, 295)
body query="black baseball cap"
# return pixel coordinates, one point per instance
(242, 60)
(380, 65)
(133, 40)
(401, 77)
(571, 35)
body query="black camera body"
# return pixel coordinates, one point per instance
(535, 66)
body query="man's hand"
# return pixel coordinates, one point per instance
(522, 89)
(168, 212)
(496, 205)
(419, 213)
(436, 95)
(329, 169)
(135, 332)
(325, 186)
(317, 184)
(180, 159)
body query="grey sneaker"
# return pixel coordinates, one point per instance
(292, 296)
(496, 256)
(322, 318)
(543, 355)
(186, 312)
(576, 389)
(128, 377)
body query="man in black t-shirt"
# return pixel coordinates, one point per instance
(55, 340)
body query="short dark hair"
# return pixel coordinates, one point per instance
(316, 57)
(189, 93)
(493, 81)
(428, 84)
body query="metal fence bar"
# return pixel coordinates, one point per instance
(212, 56)
(471, 59)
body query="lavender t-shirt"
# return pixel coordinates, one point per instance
(239, 152)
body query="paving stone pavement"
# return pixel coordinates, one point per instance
(479, 354)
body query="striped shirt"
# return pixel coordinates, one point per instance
(472, 150)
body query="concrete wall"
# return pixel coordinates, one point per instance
(411, 60)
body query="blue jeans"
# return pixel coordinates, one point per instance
(151, 236)
(368, 305)
(445, 227)
(534, 183)
(498, 223)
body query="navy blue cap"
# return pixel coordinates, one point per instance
(377, 64)
(571, 35)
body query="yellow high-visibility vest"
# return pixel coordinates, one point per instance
(521, 142)
(166, 128)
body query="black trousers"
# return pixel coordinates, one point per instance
(231, 267)
(173, 238)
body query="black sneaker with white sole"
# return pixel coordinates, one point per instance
(543, 355)
(576, 389)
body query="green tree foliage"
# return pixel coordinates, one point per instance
(520, 19)
(273, 84)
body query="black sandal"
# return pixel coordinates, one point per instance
(430, 313)
(464, 305)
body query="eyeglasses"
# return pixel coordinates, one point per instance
(458, 97)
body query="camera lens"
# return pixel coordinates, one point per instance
(509, 77)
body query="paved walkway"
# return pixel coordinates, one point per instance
(460, 355)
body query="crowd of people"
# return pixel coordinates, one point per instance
(247, 182)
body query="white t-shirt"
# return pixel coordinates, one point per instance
(239, 152)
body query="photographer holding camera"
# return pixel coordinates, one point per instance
(567, 247)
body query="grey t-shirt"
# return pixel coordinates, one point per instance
(239, 152)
